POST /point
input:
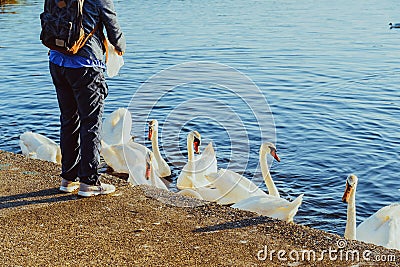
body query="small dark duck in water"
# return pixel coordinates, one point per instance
(395, 25)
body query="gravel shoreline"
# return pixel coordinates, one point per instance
(145, 226)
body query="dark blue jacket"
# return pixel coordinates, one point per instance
(102, 11)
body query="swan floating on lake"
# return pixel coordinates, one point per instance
(237, 187)
(270, 205)
(163, 168)
(116, 128)
(381, 228)
(37, 146)
(194, 171)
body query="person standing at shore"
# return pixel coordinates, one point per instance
(81, 90)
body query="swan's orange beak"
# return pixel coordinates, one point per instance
(196, 147)
(150, 133)
(347, 193)
(275, 155)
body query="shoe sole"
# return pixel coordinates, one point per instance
(68, 189)
(92, 194)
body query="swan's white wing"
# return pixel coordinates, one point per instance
(232, 188)
(24, 148)
(114, 157)
(142, 151)
(32, 141)
(227, 180)
(184, 180)
(214, 195)
(47, 152)
(124, 157)
(157, 181)
(193, 173)
(39, 146)
(271, 206)
(208, 160)
(117, 127)
(137, 175)
(264, 205)
(163, 168)
(382, 228)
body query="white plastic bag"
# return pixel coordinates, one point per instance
(114, 62)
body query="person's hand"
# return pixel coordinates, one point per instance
(119, 53)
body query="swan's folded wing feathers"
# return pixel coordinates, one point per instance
(271, 206)
(24, 148)
(225, 180)
(394, 240)
(207, 162)
(382, 228)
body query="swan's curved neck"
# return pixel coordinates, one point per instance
(154, 144)
(350, 232)
(190, 140)
(272, 190)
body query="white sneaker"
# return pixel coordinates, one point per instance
(86, 190)
(68, 186)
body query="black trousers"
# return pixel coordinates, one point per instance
(80, 93)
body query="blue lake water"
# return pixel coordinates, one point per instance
(326, 89)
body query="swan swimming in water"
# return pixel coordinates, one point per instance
(270, 205)
(194, 171)
(37, 146)
(381, 228)
(237, 187)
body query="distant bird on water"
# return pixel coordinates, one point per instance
(395, 25)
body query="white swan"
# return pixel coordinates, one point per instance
(236, 187)
(381, 228)
(116, 128)
(145, 174)
(270, 205)
(193, 173)
(37, 146)
(163, 168)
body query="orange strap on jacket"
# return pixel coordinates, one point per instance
(82, 41)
